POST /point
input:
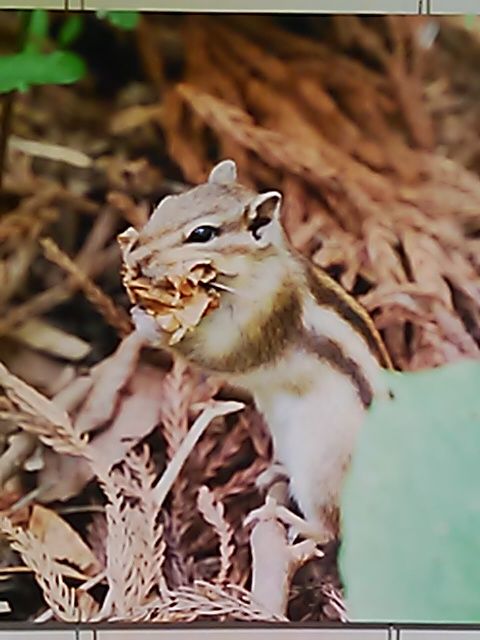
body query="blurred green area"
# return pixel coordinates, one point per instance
(411, 505)
(42, 60)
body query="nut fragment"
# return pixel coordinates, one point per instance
(179, 299)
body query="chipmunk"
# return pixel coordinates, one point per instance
(285, 331)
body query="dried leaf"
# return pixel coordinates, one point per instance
(110, 377)
(138, 414)
(45, 337)
(60, 540)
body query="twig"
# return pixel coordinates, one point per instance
(28, 498)
(45, 300)
(115, 316)
(5, 130)
(56, 152)
(215, 410)
(15, 569)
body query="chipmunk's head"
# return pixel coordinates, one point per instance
(220, 220)
(221, 223)
(233, 230)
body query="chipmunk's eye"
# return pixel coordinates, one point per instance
(203, 233)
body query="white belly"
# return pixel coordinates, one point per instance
(313, 437)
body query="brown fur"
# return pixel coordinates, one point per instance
(260, 343)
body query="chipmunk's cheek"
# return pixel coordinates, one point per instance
(145, 325)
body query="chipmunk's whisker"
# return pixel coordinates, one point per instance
(223, 287)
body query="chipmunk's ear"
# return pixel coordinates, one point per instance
(162, 205)
(263, 210)
(224, 172)
(157, 216)
(266, 206)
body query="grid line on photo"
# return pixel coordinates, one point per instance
(258, 6)
(321, 631)
(295, 632)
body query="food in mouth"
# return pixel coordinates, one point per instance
(179, 300)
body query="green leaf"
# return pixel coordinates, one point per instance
(127, 20)
(24, 69)
(411, 503)
(70, 30)
(37, 30)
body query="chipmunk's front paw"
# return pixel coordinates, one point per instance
(147, 328)
(296, 525)
(300, 527)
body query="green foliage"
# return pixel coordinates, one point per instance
(32, 66)
(23, 70)
(36, 29)
(70, 31)
(411, 505)
(127, 20)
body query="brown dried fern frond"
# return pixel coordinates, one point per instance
(213, 513)
(366, 194)
(67, 603)
(134, 546)
(177, 390)
(215, 456)
(38, 415)
(205, 601)
(241, 481)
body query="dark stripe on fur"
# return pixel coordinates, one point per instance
(331, 352)
(263, 341)
(324, 291)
